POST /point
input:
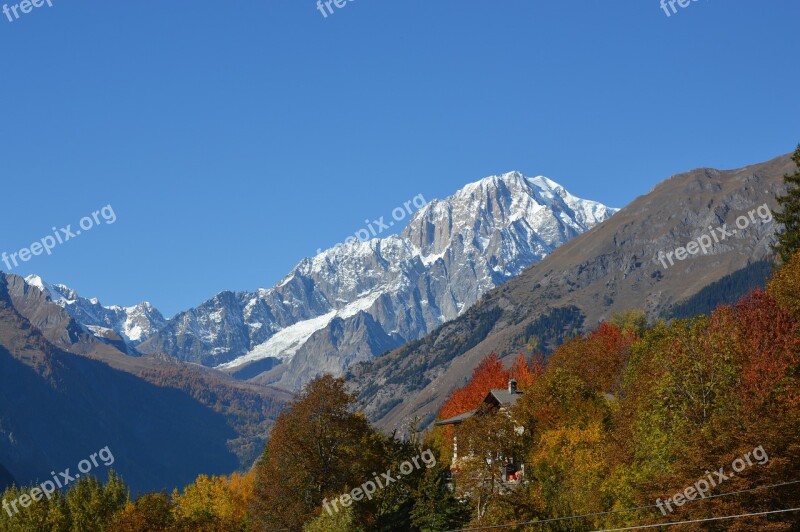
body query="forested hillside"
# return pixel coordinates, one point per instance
(727, 290)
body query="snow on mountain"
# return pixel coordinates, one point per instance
(286, 342)
(133, 324)
(358, 299)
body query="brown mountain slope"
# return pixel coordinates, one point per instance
(611, 268)
(64, 394)
(59, 329)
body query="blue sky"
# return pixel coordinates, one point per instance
(234, 138)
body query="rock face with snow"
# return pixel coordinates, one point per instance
(360, 299)
(613, 268)
(133, 324)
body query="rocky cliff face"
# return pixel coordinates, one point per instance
(362, 298)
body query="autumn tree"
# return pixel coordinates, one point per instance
(525, 371)
(318, 449)
(769, 344)
(152, 511)
(785, 286)
(599, 357)
(488, 375)
(341, 521)
(633, 320)
(92, 504)
(217, 499)
(51, 514)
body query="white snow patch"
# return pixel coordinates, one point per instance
(35, 281)
(100, 331)
(133, 332)
(285, 343)
(286, 281)
(427, 260)
(359, 305)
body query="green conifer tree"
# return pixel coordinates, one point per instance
(789, 239)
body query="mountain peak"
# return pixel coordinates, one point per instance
(490, 210)
(134, 324)
(509, 179)
(361, 298)
(35, 281)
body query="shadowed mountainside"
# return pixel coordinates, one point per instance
(165, 422)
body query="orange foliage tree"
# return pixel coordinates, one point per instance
(770, 342)
(488, 375)
(599, 357)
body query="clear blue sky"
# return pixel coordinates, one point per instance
(234, 138)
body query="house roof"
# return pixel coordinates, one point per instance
(501, 398)
(455, 420)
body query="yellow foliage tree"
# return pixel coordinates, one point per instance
(785, 286)
(221, 499)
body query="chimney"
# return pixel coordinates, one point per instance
(512, 386)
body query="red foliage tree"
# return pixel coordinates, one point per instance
(770, 344)
(488, 375)
(526, 372)
(597, 358)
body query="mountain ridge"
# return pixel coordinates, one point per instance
(98, 395)
(612, 267)
(132, 325)
(360, 298)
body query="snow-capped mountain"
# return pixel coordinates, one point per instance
(133, 324)
(360, 299)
